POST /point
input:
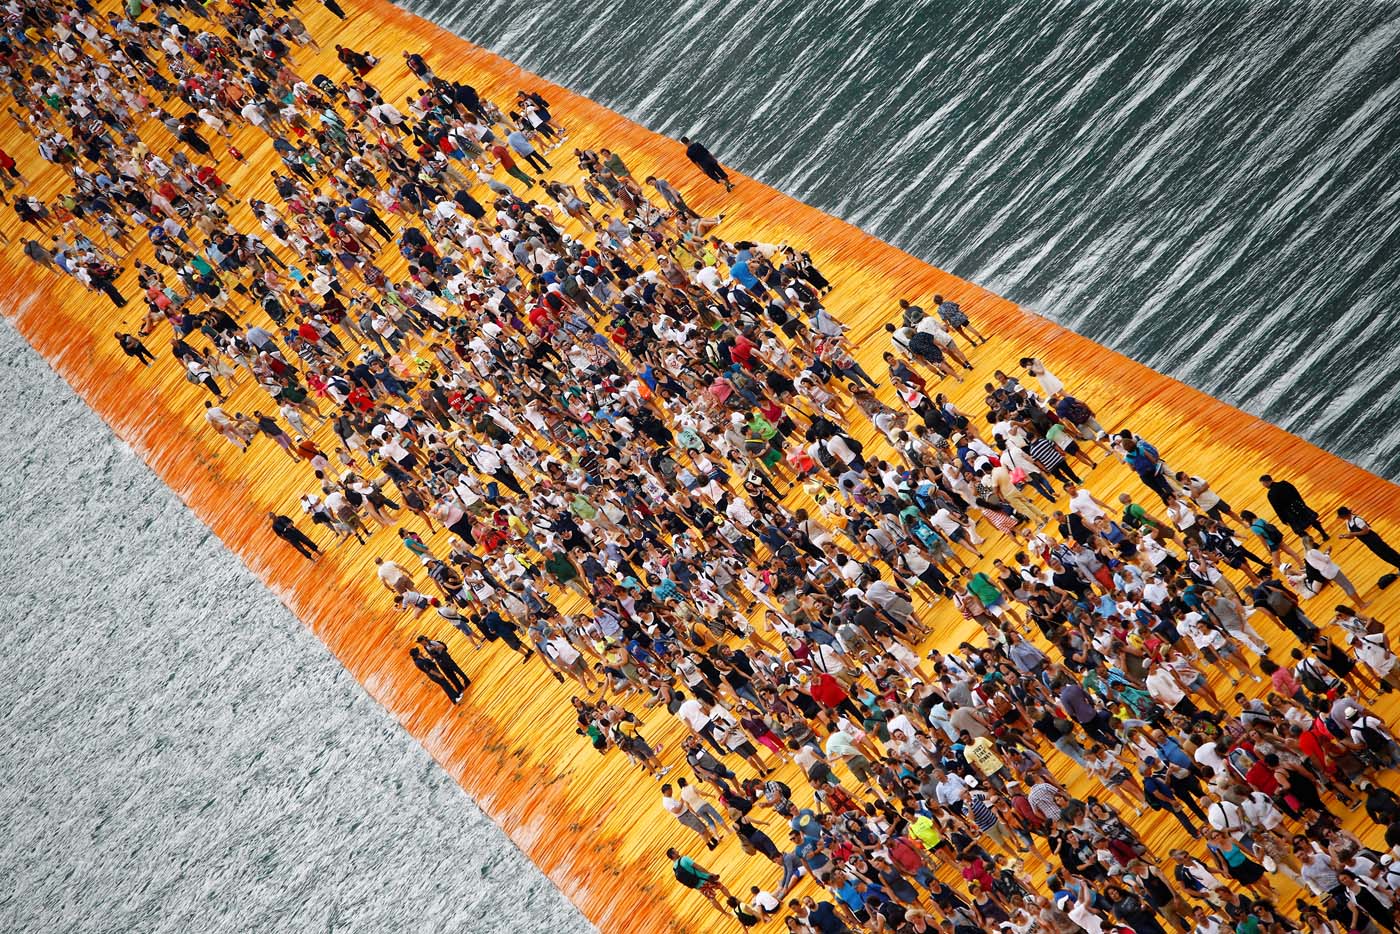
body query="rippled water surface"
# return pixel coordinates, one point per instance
(179, 753)
(1210, 187)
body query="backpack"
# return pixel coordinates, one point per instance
(1312, 679)
(685, 877)
(1077, 412)
(1272, 536)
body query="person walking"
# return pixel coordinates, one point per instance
(706, 162)
(40, 254)
(683, 813)
(104, 278)
(1147, 464)
(694, 876)
(528, 152)
(1359, 529)
(430, 668)
(672, 196)
(502, 155)
(1290, 508)
(285, 528)
(957, 319)
(132, 347)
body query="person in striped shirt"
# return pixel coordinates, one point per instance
(983, 816)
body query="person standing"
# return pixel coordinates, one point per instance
(528, 152)
(683, 813)
(1292, 511)
(440, 655)
(1359, 529)
(285, 528)
(132, 347)
(9, 171)
(430, 668)
(706, 162)
(694, 876)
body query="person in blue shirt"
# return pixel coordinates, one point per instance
(1147, 464)
(1160, 796)
(366, 212)
(527, 151)
(1270, 535)
(850, 892)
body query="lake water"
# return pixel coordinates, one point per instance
(180, 753)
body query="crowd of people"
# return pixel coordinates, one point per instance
(629, 450)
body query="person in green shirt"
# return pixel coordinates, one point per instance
(614, 164)
(1135, 517)
(565, 572)
(925, 829)
(986, 590)
(694, 876)
(581, 507)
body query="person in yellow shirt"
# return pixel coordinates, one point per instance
(981, 754)
(925, 829)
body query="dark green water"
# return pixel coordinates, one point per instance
(1210, 187)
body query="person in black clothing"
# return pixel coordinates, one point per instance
(1382, 804)
(104, 280)
(334, 7)
(1292, 511)
(1129, 908)
(818, 916)
(1357, 900)
(133, 347)
(495, 626)
(435, 675)
(370, 216)
(285, 529)
(1360, 530)
(706, 162)
(453, 672)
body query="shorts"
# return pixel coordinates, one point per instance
(1090, 430)
(691, 821)
(860, 767)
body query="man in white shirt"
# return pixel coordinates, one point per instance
(393, 576)
(693, 714)
(688, 818)
(709, 277)
(949, 789)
